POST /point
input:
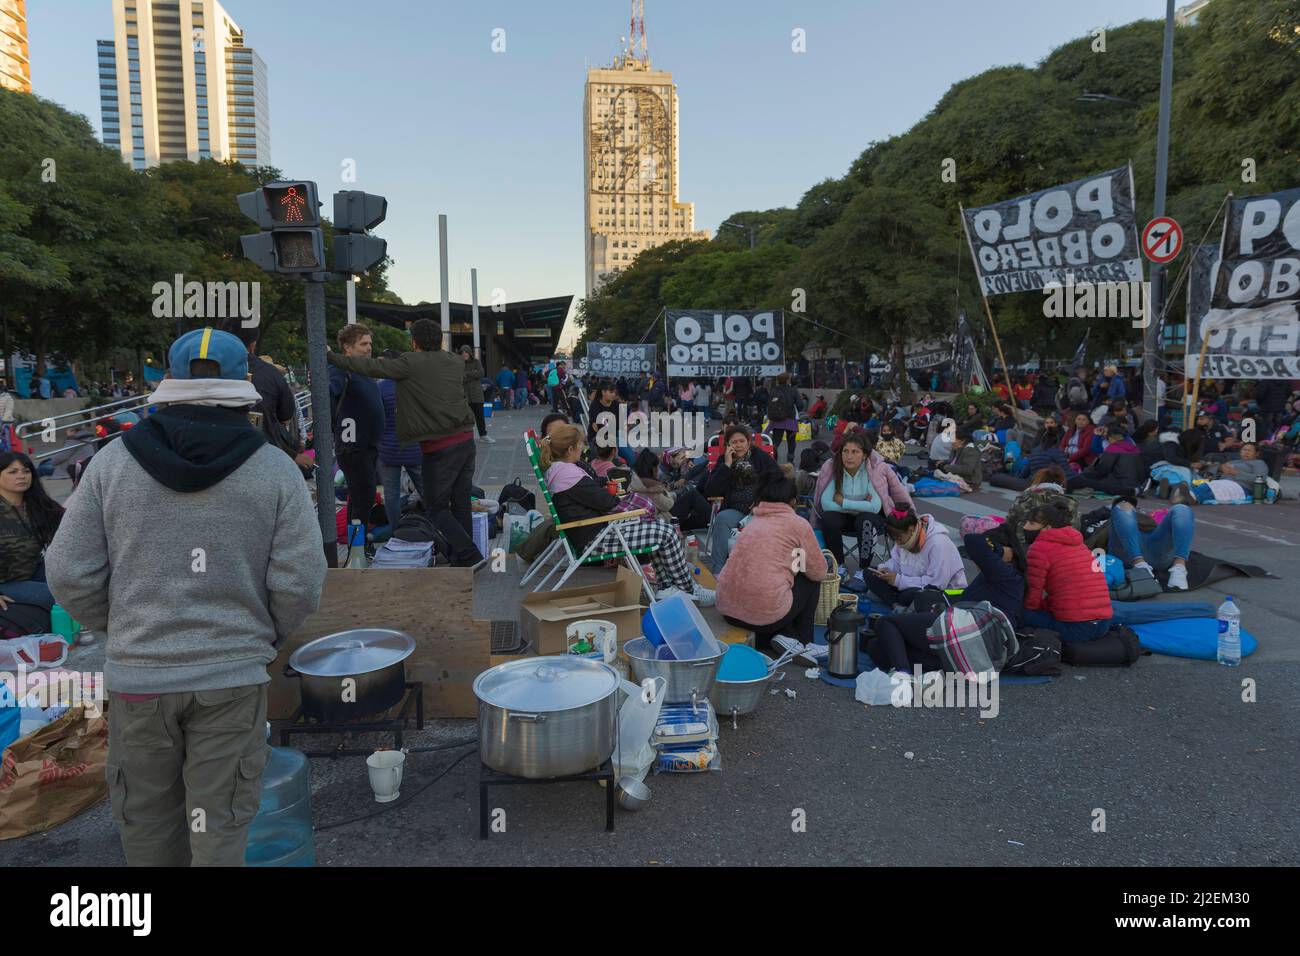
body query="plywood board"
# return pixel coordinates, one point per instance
(433, 605)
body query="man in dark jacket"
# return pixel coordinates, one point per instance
(431, 409)
(358, 425)
(474, 392)
(1271, 395)
(1119, 471)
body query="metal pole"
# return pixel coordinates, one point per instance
(1156, 302)
(442, 268)
(473, 291)
(352, 301)
(322, 426)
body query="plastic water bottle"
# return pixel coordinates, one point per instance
(1229, 634)
(281, 833)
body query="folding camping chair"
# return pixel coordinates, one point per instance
(608, 544)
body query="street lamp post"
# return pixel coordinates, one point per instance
(750, 229)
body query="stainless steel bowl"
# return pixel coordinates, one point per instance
(688, 681)
(632, 794)
(738, 697)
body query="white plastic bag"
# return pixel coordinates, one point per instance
(25, 652)
(878, 689)
(634, 754)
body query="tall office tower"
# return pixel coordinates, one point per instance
(630, 166)
(15, 66)
(155, 77)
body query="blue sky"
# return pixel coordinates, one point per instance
(437, 122)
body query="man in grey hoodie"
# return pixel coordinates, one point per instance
(194, 545)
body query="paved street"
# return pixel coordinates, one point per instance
(1186, 773)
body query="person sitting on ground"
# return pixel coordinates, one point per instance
(554, 418)
(889, 446)
(1077, 443)
(1046, 486)
(687, 505)
(1046, 453)
(1216, 441)
(922, 556)
(577, 495)
(817, 411)
(1119, 471)
(603, 459)
(975, 420)
(1065, 589)
(941, 446)
(965, 463)
(29, 517)
(1003, 420)
(604, 410)
(735, 480)
(1118, 413)
(760, 588)
(1166, 547)
(1247, 468)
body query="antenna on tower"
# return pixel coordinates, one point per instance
(636, 47)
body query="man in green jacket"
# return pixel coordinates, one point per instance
(432, 409)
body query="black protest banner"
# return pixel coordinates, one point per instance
(613, 358)
(1239, 343)
(703, 343)
(1260, 252)
(1085, 229)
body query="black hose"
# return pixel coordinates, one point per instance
(393, 806)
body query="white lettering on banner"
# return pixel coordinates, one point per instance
(724, 344)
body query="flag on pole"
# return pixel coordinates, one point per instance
(1081, 351)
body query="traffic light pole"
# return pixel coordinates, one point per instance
(322, 423)
(1156, 301)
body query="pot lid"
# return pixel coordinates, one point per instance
(351, 653)
(544, 684)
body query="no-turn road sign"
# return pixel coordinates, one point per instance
(1162, 239)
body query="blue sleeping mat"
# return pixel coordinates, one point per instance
(1195, 637)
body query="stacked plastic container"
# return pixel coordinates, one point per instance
(281, 834)
(686, 735)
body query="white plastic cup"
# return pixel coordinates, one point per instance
(386, 774)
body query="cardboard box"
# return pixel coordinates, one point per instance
(544, 616)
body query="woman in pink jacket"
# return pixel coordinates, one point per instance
(884, 480)
(759, 588)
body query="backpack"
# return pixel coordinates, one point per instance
(1118, 647)
(814, 456)
(1076, 392)
(415, 526)
(973, 639)
(780, 407)
(516, 493)
(1039, 654)
(19, 620)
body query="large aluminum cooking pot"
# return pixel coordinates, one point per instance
(542, 717)
(688, 681)
(351, 674)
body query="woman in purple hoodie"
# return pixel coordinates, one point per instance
(1121, 470)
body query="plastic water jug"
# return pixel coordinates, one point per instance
(281, 833)
(62, 624)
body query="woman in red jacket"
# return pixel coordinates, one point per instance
(1065, 587)
(1077, 443)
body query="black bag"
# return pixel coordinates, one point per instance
(1039, 654)
(415, 526)
(454, 542)
(1274, 456)
(780, 406)
(19, 620)
(1118, 647)
(517, 494)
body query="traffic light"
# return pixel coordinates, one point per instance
(355, 214)
(291, 213)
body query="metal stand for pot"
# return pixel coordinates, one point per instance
(491, 778)
(394, 722)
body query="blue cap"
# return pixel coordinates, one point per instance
(209, 343)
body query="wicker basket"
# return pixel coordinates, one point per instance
(828, 597)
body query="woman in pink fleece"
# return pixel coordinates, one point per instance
(759, 588)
